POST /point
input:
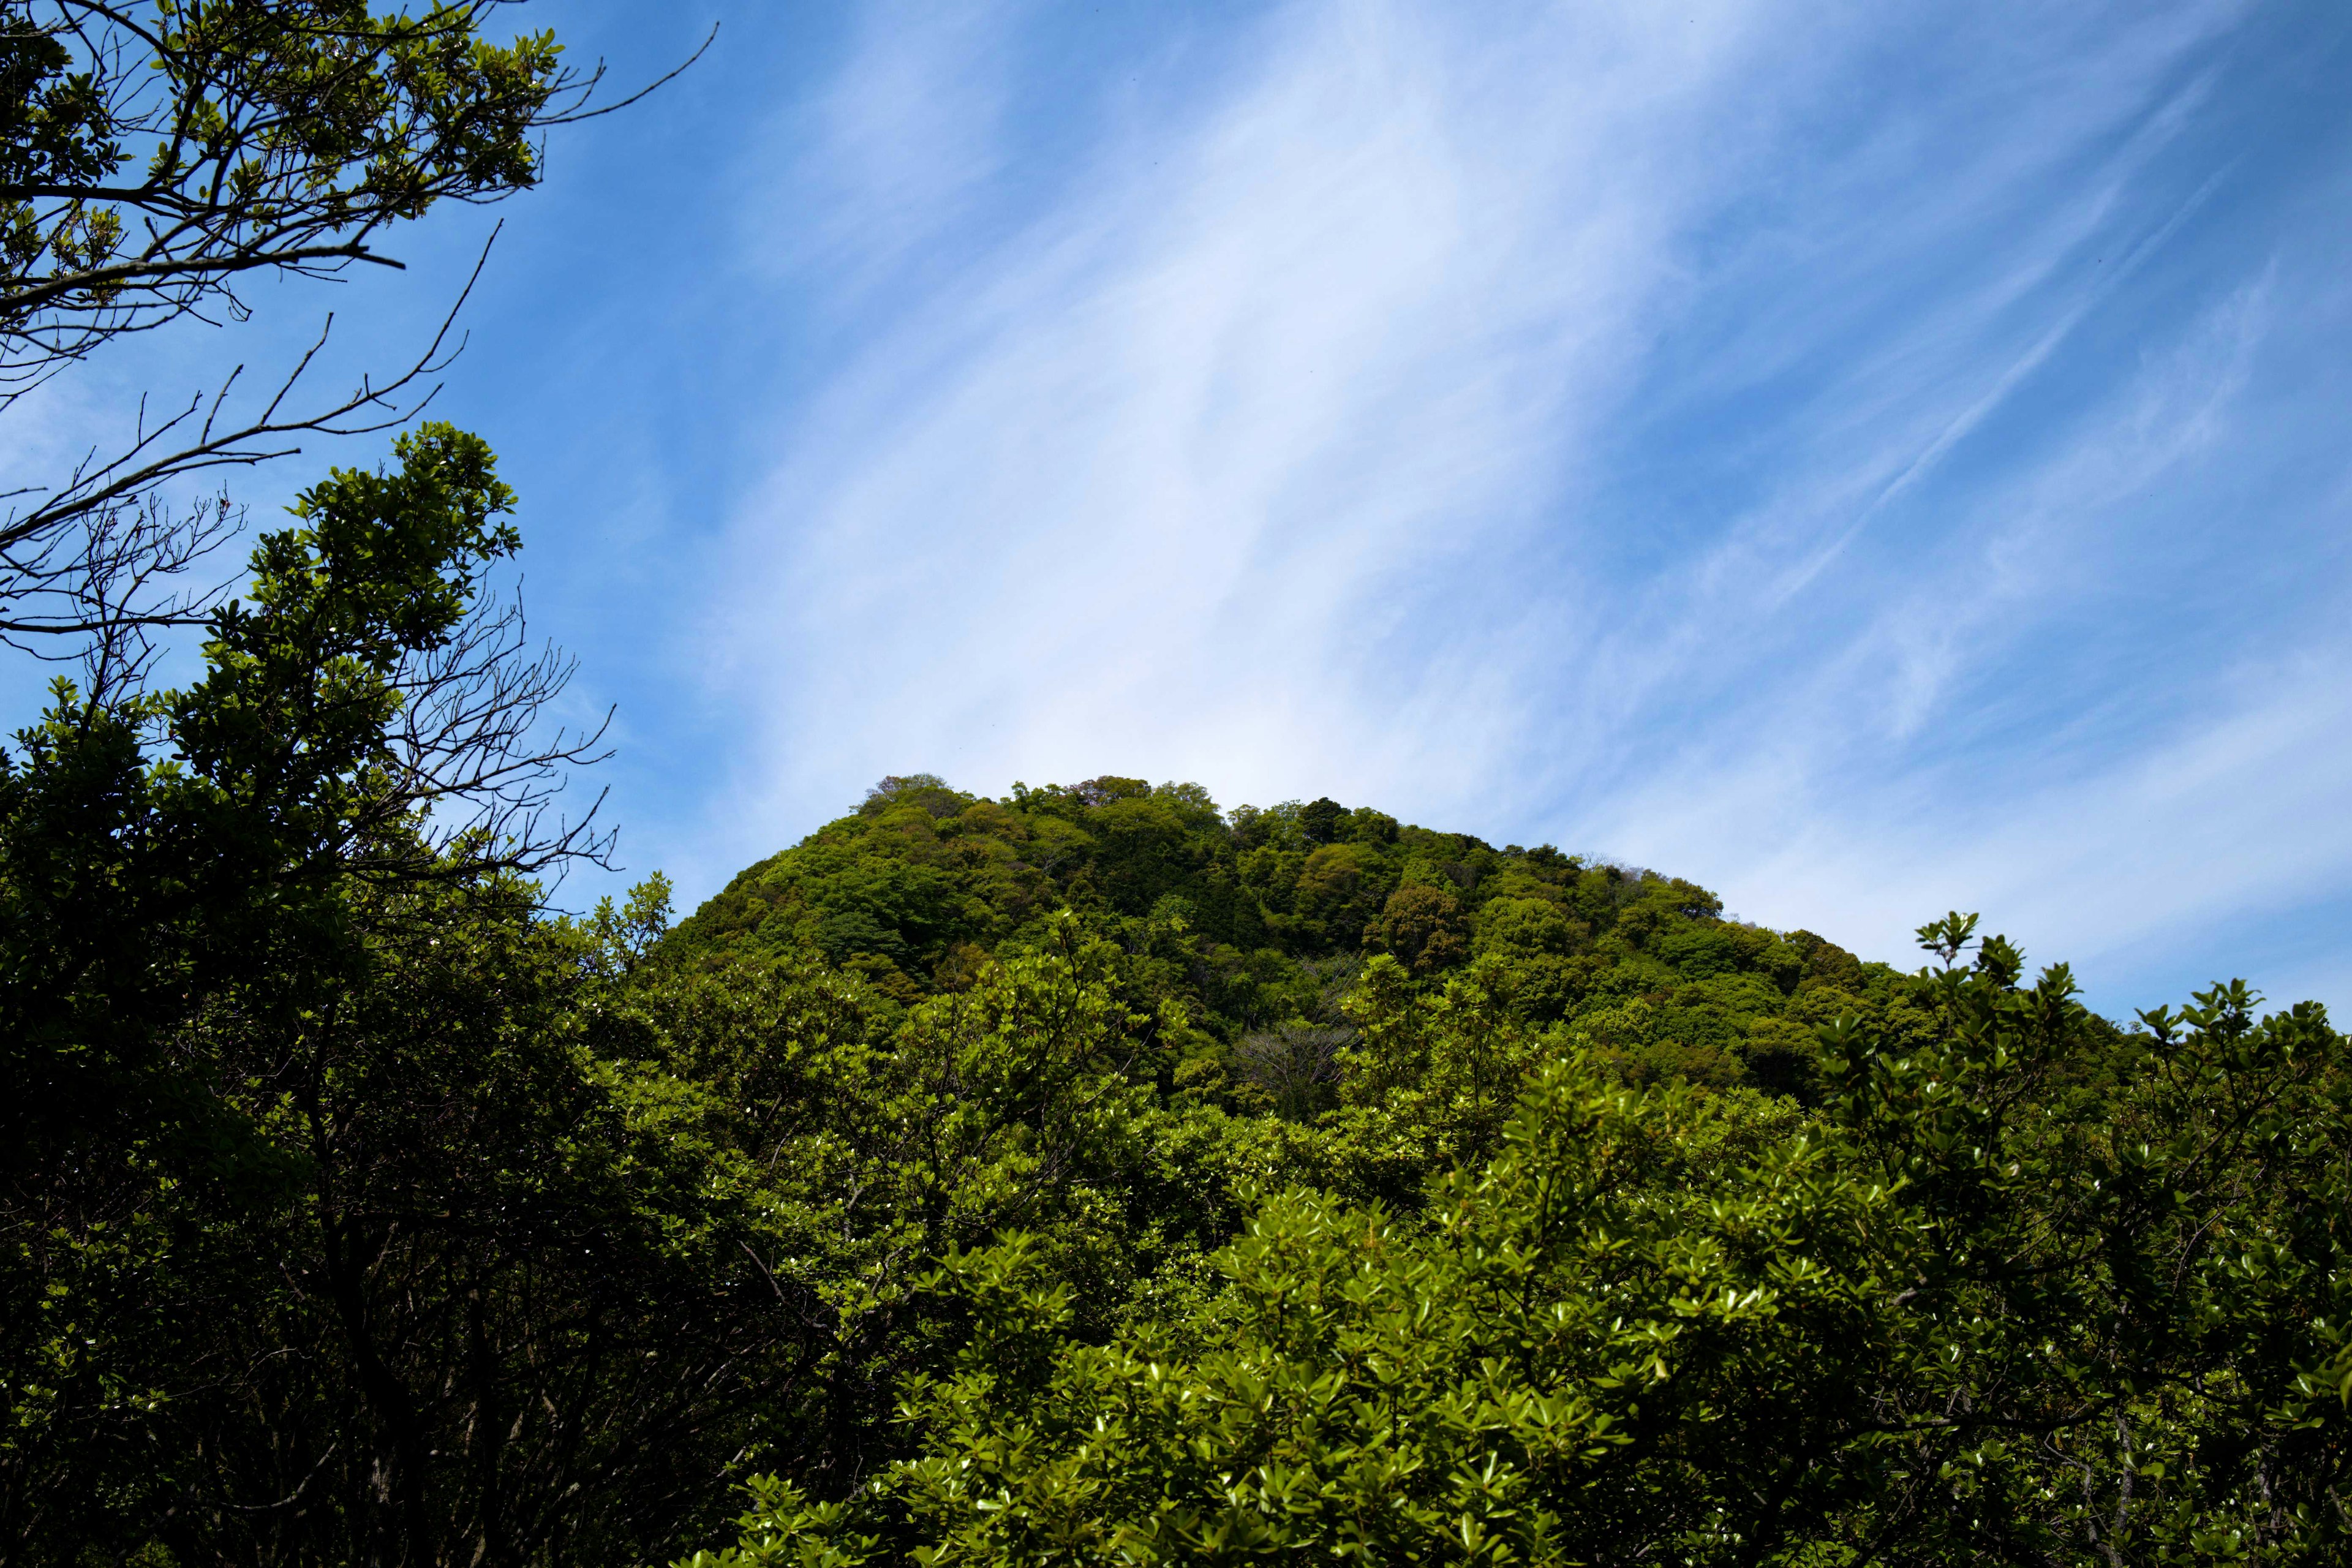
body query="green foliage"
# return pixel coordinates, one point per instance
(302, 691)
(2027, 1288)
(148, 153)
(133, 886)
(1240, 918)
(311, 1188)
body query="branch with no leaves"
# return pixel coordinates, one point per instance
(49, 550)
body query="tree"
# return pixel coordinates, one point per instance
(373, 713)
(1423, 929)
(203, 893)
(290, 1046)
(153, 157)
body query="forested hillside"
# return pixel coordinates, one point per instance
(1258, 924)
(1293, 1180)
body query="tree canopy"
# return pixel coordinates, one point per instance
(1256, 924)
(957, 1183)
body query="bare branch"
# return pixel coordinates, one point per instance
(95, 493)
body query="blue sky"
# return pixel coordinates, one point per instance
(1869, 459)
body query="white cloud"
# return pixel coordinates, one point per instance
(2118, 871)
(1164, 484)
(897, 151)
(1818, 810)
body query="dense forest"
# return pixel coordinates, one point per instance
(1257, 924)
(1096, 1174)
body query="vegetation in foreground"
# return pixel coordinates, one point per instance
(1505, 1208)
(969, 1205)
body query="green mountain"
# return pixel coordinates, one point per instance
(1258, 919)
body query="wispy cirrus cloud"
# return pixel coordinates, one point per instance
(897, 148)
(1156, 477)
(1968, 741)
